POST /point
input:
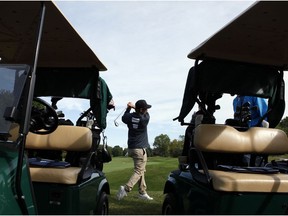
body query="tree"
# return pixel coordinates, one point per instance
(109, 149)
(176, 147)
(182, 138)
(283, 125)
(149, 151)
(117, 151)
(161, 145)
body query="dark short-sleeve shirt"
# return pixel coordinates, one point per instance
(137, 129)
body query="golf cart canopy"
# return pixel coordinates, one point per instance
(247, 57)
(65, 61)
(258, 35)
(61, 45)
(63, 65)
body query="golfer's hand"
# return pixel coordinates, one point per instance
(111, 105)
(130, 105)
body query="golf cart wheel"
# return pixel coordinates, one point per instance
(103, 205)
(169, 206)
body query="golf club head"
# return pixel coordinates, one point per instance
(115, 122)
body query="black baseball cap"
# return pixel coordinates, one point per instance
(142, 104)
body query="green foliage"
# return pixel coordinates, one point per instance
(277, 157)
(149, 152)
(182, 138)
(37, 105)
(175, 148)
(161, 145)
(118, 172)
(117, 151)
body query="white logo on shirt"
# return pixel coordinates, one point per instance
(135, 122)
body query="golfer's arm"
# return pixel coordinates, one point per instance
(125, 117)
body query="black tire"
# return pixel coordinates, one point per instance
(170, 206)
(103, 205)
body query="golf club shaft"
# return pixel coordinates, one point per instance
(120, 114)
(115, 120)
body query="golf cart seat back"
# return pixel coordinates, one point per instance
(215, 77)
(67, 138)
(257, 140)
(227, 139)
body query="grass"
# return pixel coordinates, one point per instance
(118, 172)
(278, 157)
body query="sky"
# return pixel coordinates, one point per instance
(144, 45)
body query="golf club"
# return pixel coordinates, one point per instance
(115, 120)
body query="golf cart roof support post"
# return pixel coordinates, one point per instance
(198, 101)
(20, 196)
(33, 75)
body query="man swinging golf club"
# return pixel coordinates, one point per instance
(137, 143)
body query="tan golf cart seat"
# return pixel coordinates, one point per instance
(67, 138)
(226, 139)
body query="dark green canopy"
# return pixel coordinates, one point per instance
(207, 82)
(76, 83)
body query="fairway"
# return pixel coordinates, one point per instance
(119, 170)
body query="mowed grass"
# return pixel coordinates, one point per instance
(118, 172)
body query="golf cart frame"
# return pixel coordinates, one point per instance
(42, 55)
(212, 178)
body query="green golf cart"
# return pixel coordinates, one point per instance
(247, 57)
(49, 166)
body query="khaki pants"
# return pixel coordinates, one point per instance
(139, 157)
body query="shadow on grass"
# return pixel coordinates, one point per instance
(119, 170)
(132, 205)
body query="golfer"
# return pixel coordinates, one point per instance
(137, 143)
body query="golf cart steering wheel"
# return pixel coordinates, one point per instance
(44, 119)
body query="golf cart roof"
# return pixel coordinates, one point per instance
(259, 35)
(246, 57)
(61, 45)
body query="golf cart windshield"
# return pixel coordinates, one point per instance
(11, 85)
